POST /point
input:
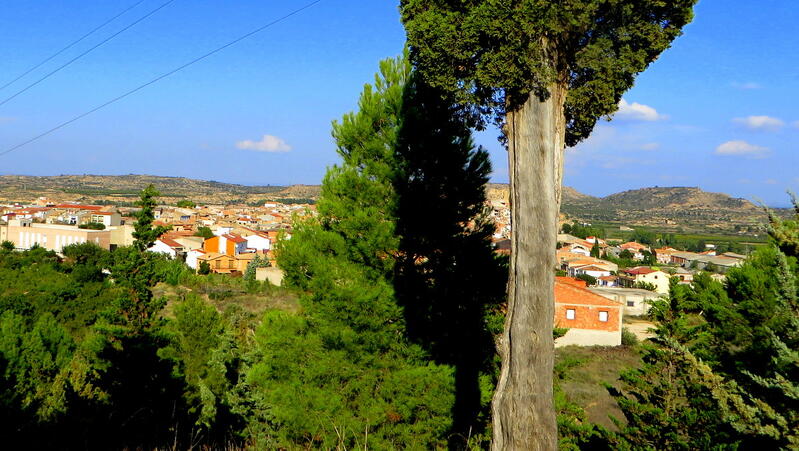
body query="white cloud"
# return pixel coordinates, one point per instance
(741, 148)
(760, 123)
(268, 143)
(746, 85)
(637, 112)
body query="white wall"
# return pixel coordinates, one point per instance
(586, 337)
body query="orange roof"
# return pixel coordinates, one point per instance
(80, 207)
(169, 242)
(234, 238)
(632, 245)
(569, 293)
(571, 281)
(639, 270)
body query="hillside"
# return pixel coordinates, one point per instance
(671, 208)
(687, 208)
(124, 189)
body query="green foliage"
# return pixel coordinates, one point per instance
(628, 338)
(257, 262)
(575, 432)
(204, 268)
(207, 356)
(204, 232)
(361, 372)
(7, 246)
(589, 279)
(644, 236)
(144, 233)
(785, 234)
(724, 372)
(595, 250)
(583, 231)
(490, 52)
(341, 396)
(646, 286)
(650, 258)
(447, 277)
(92, 226)
(185, 203)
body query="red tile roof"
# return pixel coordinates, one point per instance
(234, 238)
(567, 292)
(80, 207)
(171, 243)
(639, 270)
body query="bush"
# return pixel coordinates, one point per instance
(628, 338)
(204, 232)
(204, 268)
(646, 286)
(92, 226)
(589, 280)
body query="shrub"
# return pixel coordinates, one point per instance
(92, 226)
(204, 268)
(628, 338)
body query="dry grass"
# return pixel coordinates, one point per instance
(222, 296)
(584, 381)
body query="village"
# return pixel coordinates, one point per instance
(209, 239)
(596, 297)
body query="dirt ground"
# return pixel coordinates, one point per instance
(639, 327)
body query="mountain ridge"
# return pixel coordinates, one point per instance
(661, 207)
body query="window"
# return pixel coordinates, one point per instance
(570, 313)
(603, 316)
(630, 303)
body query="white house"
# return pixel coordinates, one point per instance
(167, 246)
(106, 218)
(192, 256)
(259, 242)
(592, 270)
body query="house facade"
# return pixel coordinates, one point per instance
(591, 319)
(629, 277)
(25, 234)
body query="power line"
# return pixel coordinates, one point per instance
(163, 5)
(70, 45)
(161, 77)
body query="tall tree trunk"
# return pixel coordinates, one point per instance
(524, 414)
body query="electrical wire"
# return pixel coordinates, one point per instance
(58, 69)
(70, 45)
(161, 77)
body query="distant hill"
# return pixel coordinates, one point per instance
(125, 189)
(686, 208)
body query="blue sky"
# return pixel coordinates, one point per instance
(718, 110)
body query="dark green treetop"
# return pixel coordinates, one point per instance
(144, 232)
(492, 51)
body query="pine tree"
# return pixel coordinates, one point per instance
(447, 277)
(144, 233)
(360, 374)
(595, 250)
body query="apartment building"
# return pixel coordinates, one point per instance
(25, 234)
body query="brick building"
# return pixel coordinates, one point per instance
(591, 319)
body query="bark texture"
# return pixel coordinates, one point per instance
(524, 414)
